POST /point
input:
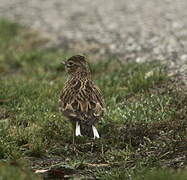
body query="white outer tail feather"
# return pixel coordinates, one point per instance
(95, 132)
(78, 131)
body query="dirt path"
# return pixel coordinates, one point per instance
(137, 30)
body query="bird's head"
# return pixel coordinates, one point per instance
(76, 64)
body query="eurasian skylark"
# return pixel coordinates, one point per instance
(81, 101)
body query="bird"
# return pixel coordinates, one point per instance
(81, 101)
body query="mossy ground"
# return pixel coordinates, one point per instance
(143, 134)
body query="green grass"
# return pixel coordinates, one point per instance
(143, 130)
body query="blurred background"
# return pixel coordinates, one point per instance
(137, 30)
(138, 58)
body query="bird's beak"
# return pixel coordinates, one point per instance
(63, 62)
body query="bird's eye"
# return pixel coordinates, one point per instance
(70, 64)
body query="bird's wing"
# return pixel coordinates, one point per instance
(83, 100)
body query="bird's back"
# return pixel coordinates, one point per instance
(81, 99)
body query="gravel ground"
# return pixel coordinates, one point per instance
(140, 30)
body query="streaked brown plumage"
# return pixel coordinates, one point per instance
(81, 101)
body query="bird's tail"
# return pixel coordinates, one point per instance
(86, 130)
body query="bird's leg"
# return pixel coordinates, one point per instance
(73, 136)
(102, 149)
(74, 145)
(92, 145)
